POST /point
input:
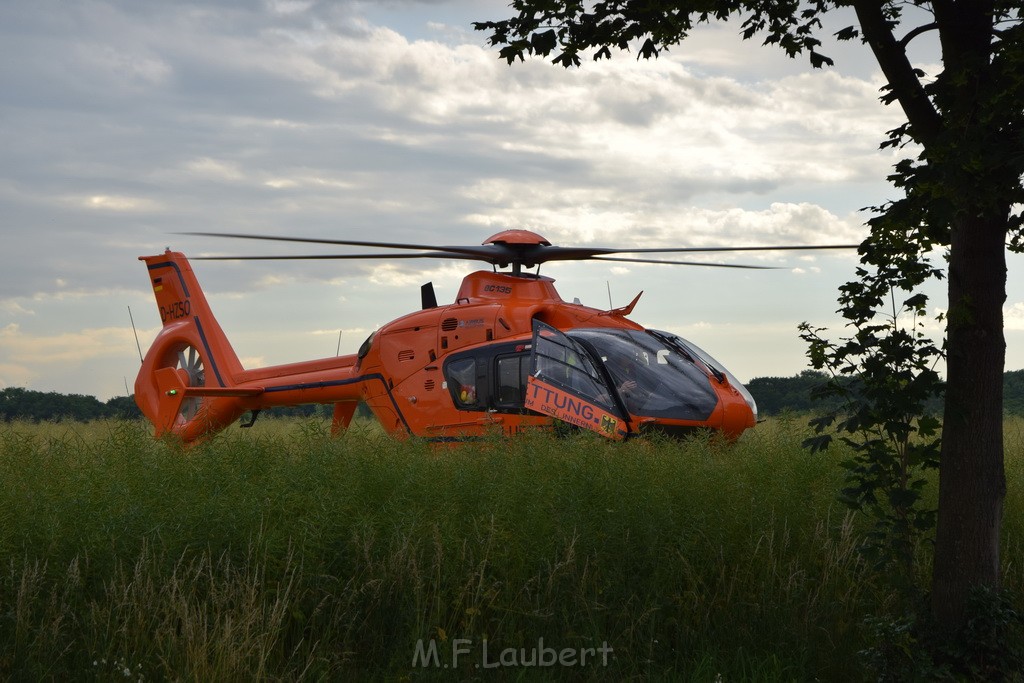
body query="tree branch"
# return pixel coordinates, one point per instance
(916, 32)
(925, 121)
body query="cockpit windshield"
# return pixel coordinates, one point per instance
(716, 368)
(654, 377)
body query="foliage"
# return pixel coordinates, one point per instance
(277, 552)
(885, 374)
(988, 647)
(897, 653)
(571, 28)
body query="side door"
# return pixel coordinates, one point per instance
(565, 384)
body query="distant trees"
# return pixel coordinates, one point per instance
(123, 407)
(1013, 392)
(778, 394)
(775, 395)
(17, 403)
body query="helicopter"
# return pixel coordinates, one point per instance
(509, 354)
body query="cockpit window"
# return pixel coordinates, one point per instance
(652, 378)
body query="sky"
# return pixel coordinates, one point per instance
(124, 123)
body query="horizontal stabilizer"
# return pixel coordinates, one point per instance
(218, 392)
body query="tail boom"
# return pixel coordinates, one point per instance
(192, 385)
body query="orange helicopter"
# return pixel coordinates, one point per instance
(508, 354)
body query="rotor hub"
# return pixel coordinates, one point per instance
(517, 237)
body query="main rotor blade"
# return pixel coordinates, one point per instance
(680, 263)
(792, 247)
(583, 253)
(481, 251)
(317, 257)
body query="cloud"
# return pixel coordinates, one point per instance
(14, 307)
(12, 375)
(118, 203)
(127, 123)
(344, 330)
(206, 167)
(1013, 316)
(75, 347)
(397, 134)
(392, 275)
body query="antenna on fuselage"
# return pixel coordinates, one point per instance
(137, 345)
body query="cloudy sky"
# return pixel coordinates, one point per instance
(125, 122)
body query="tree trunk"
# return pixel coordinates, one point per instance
(972, 482)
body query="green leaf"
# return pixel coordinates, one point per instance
(819, 60)
(543, 43)
(848, 33)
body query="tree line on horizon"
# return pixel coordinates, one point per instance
(774, 396)
(18, 403)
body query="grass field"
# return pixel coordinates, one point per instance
(277, 553)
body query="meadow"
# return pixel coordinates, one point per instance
(278, 553)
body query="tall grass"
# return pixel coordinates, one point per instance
(279, 553)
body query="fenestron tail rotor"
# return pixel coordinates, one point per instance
(190, 363)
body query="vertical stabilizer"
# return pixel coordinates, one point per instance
(191, 351)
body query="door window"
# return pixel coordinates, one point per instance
(462, 382)
(511, 380)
